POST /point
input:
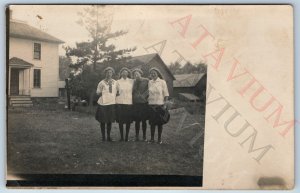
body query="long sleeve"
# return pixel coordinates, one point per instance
(134, 87)
(146, 91)
(99, 88)
(165, 89)
(118, 88)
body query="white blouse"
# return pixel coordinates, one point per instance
(107, 98)
(158, 90)
(125, 91)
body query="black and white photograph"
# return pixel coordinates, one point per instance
(104, 96)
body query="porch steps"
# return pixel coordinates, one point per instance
(20, 101)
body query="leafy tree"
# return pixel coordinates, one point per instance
(201, 67)
(175, 68)
(64, 67)
(89, 58)
(188, 68)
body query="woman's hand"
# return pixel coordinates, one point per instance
(165, 106)
(165, 99)
(168, 104)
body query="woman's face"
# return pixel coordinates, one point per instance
(124, 74)
(109, 74)
(153, 74)
(137, 75)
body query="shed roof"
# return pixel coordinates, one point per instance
(23, 30)
(189, 96)
(143, 58)
(187, 80)
(147, 58)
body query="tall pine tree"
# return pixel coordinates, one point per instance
(89, 58)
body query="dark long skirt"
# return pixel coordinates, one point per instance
(140, 112)
(105, 113)
(158, 115)
(124, 113)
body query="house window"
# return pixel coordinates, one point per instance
(37, 51)
(61, 92)
(37, 78)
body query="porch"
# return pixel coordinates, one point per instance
(19, 82)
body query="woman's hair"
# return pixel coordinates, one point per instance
(127, 69)
(108, 68)
(137, 70)
(159, 74)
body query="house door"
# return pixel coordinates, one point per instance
(14, 82)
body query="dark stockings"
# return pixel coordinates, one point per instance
(159, 132)
(127, 131)
(137, 129)
(108, 129)
(121, 131)
(160, 128)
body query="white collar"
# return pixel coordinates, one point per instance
(127, 79)
(157, 80)
(110, 79)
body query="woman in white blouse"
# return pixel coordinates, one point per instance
(158, 95)
(107, 90)
(124, 102)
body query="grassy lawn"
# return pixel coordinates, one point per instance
(57, 141)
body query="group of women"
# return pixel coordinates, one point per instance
(130, 100)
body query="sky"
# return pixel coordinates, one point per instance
(236, 28)
(146, 26)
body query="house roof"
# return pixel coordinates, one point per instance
(190, 97)
(187, 80)
(23, 30)
(18, 62)
(147, 58)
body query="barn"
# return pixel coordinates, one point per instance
(190, 86)
(145, 62)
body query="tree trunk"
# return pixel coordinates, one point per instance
(91, 101)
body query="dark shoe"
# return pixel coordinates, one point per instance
(137, 139)
(121, 139)
(151, 141)
(109, 140)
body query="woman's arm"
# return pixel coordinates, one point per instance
(134, 87)
(118, 88)
(165, 93)
(146, 91)
(99, 89)
(165, 90)
(166, 98)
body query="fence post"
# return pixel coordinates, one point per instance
(68, 93)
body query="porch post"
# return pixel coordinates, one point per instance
(29, 83)
(9, 71)
(24, 83)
